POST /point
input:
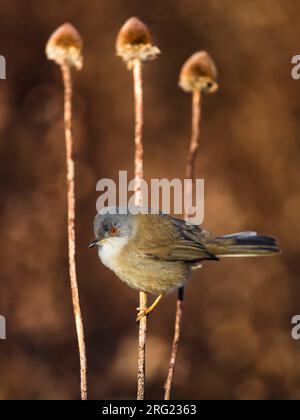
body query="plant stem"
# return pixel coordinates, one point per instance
(138, 138)
(196, 115)
(71, 225)
(177, 331)
(138, 170)
(142, 350)
(190, 174)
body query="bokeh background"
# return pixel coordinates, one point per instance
(236, 340)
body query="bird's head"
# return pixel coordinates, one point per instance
(110, 226)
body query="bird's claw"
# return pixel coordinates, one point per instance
(141, 313)
(146, 311)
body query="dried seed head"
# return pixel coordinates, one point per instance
(64, 46)
(134, 41)
(199, 72)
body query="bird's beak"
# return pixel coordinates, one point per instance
(95, 242)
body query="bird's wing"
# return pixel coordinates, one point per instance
(184, 244)
(189, 251)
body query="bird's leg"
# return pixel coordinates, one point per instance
(146, 311)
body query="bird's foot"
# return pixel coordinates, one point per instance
(141, 313)
(146, 311)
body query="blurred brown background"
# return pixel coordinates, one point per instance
(236, 340)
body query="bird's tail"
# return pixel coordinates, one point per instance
(242, 244)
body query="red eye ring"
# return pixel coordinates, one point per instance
(113, 231)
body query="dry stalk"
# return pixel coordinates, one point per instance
(190, 169)
(64, 47)
(71, 226)
(134, 45)
(138, 170)
(198, 75)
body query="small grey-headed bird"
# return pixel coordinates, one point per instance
(156, 253)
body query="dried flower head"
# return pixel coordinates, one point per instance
(64, 46)
(135, 41)
(199, 72)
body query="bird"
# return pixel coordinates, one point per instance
(157, 253)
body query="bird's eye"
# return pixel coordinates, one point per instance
(113, 231)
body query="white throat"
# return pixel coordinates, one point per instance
(110, 249)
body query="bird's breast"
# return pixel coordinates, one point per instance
(145, 274)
